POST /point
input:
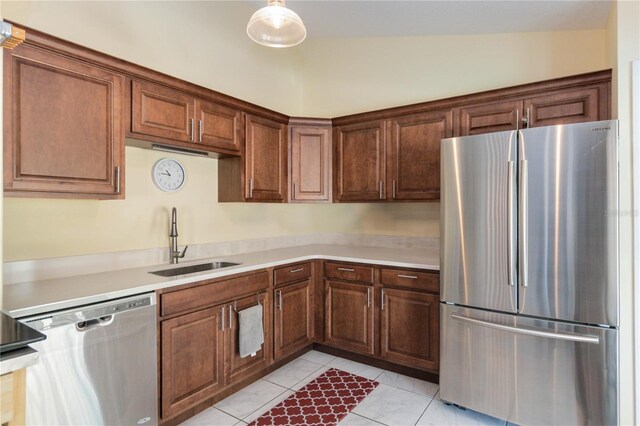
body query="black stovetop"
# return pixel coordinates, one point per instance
(16, 335)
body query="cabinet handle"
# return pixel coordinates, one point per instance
(117, 179)
(251, 188)
(380, 189)
(222, 319)
(293, 271)
(382, 300)
(368, 297)
(192, 129)
(279, 300)
(411, 277)
(528, 122)
(200, 131)
(393, 189)
(230, 317)
(346, 269)
(293, 194)
(517, 119)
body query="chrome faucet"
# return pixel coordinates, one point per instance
(174, 253)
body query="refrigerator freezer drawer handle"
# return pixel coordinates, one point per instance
(585, 338)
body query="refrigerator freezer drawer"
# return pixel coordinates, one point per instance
(528, 371)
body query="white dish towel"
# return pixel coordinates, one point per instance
(251, 330)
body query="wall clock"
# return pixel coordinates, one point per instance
(168, 174)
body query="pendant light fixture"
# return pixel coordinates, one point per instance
(276, 26)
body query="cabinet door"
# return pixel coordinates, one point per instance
(219, 126)
(192, 359)
(310, 163)
(293, 319)
(414, 155)
(240, 368)
(162, 112)
(349, 316)
(409, 330)
(488, 118)
(359, 171)
(63, 131)
(265, 159)
(567, 106)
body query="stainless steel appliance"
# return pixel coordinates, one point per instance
(529, 274)
(97, 365)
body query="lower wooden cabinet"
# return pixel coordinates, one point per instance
(239, 368)
(293, 317)
(200, 354)
(385, 313)
(409, 328)
(349, 319)
(192, 348)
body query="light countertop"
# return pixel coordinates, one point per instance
(33, 298)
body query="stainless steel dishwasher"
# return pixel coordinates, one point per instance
(97, 365)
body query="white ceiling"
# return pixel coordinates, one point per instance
(389, 18)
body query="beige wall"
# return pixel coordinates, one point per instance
(623, 36)
(345, 76)
(202, 42)
(205, 42)
(40, 228)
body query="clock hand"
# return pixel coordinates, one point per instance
(166, 172)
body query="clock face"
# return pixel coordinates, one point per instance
(168, 174)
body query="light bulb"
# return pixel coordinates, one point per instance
(276, 20)
(276, 26)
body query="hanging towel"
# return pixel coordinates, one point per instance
(251, 330)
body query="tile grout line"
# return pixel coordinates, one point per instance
(364, 417)
(426, 408)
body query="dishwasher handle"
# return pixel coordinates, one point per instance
(94, 323)
(92, 315)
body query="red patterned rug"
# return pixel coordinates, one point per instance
(324, 401)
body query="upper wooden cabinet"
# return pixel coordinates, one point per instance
(166, 115)
(491, 117)
(359, 162)
(413, 164)
(310, 160)
(261, 173)
(265, 159)
(563, 101)
(219, 126)
(568, 106)
(162, 112)
(63, 128)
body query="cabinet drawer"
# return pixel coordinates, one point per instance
(291, 273)
(428, 281)
(211, 292)
(347, 272)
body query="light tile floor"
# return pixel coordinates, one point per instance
(398, 400)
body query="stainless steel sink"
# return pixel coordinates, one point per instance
(193, 269)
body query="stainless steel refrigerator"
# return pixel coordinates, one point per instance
(529, 274)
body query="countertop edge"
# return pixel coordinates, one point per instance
(110, 295)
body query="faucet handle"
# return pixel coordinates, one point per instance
(181, 255)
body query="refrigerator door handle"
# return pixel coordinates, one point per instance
(523, 223)
(511, 225)
(584, 338)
